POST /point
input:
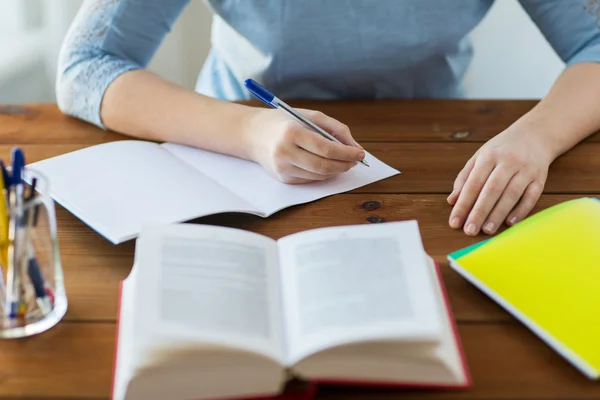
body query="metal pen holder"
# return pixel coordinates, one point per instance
(31, 266)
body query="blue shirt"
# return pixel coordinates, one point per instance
(306, 48)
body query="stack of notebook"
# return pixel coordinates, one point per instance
(546, 272)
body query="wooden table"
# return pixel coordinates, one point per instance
(429, 141)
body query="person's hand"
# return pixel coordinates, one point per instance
(293, 154)
(501, 182)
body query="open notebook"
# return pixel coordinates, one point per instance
(212, 312)
(117, 187)
(545, 271)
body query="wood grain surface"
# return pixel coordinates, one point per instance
(427, 140)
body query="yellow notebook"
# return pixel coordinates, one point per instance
(546, 272)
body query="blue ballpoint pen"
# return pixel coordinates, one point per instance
(271, 100)
(37, 280)
(14, 284)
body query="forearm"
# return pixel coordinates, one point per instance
(570, 112)
(143, 105)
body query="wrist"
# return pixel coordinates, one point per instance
(543, 129)
(252, 124)
(224, 127)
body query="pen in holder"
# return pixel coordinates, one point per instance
(32, 293)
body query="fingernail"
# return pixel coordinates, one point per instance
(489, 227)
(455, 223)
(471, 229)
(512, 221)
(361, 155)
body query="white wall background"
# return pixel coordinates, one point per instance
(512, 58)
(511, 62)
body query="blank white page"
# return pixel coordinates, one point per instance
(251, 182)
(117, 187)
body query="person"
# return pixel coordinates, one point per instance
(327, 50)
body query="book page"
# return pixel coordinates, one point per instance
(348, 284)
(266, 193)
(116, 187)
(200, 285)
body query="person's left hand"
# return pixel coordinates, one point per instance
(501, 182)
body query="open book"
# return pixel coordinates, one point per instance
(117, 187)
(213, 312)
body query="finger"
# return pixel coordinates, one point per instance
(304, 175)
(511, 195)
(337, 129)
(325, 148)
(318, 165)
(490, 193)
(290, 180)
(470, 191)
(530, 197)
(460, 180)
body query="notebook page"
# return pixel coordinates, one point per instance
(347, 284)
(252, 183)
(116, 187)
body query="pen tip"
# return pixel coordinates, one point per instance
(365, 162)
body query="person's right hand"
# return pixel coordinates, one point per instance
(294, 154)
